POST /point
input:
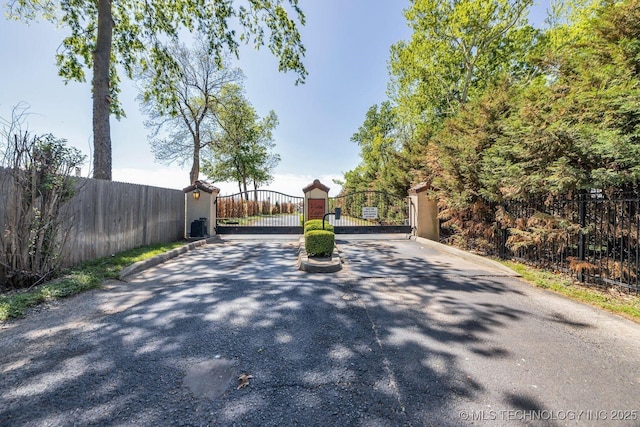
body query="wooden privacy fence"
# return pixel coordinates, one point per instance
(106, 217)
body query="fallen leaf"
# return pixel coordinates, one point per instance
(243, 380)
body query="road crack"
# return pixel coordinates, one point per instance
(386, 364)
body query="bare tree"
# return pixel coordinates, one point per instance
(182, 102)
(35, 184)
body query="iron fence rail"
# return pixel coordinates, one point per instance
(593, 236)
(389, 209)
(259, 209)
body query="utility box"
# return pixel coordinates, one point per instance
(199, 228)
(200, 208)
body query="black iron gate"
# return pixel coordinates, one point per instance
(260, 212)
(371, 212)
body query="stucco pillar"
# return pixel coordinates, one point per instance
(316, 200)
(423, 213)
(200, 202)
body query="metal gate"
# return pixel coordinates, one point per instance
(371, 212)
(259, 212)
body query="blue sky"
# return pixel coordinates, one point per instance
(347, 44)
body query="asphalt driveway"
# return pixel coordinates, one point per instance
(403, 335)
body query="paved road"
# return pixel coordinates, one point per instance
(289, 220)
(403, 335)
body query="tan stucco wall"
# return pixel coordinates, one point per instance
(424, 217)
(204, 207)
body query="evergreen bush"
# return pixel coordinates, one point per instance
(319, 243)
(316, 224)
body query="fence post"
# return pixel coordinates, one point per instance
(582, 218)
(504, 235)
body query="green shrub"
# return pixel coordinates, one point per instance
(316, 224)
(319, 243)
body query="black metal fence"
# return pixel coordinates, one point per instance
(387, 209)
(261, 211)
(371, 212)
(592, 235)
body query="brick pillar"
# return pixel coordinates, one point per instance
(316, 200)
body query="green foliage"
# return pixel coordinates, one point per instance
(491, 110)
(319, 243)
(132, 35)
(244, 143)
(456, 50)
(455, 154)
(139, 27)
(579, 127)
(81, 278)
(385, 151)
(316, 224)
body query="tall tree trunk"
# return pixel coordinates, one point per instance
(246, 190)
(195, 167)
(244, 182)
(255, 190)
(101, 96)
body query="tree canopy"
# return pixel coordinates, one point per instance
(183, 104)
(107, 37)
(493, 110)
(244, 143)
(456, 49)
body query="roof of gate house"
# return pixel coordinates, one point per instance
(420, 187)
(315, 184)
(202, 185)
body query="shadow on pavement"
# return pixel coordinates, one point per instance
(321, 350)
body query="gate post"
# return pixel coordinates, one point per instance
(200, 210)
(316, 200)
(423, 213)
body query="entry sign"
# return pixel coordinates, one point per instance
(369, 213)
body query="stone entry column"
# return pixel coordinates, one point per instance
(423, 213)
(316, 200)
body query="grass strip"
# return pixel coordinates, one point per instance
(617, 302)
(85, 276)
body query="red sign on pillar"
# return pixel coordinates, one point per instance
(316, 208)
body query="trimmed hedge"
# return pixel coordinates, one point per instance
(316, 224)
(319, 243)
